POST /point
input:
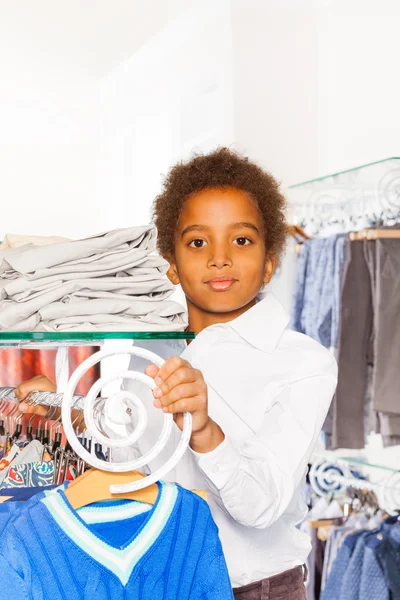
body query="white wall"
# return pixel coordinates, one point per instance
(306, 87)
(172, 97)
(53, 55)
(275, 65)
(358, 82)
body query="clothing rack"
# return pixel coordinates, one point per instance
(375, 234)
(46, 398)
(365, 234)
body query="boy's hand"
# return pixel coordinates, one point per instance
(36, 384)
(181, 388)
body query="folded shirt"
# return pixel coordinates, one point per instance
(97, 287)
(102, 245)
(127, 286)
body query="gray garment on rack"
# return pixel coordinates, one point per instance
(369, 335)
(387, 423)
(354, 343)
(386, 384)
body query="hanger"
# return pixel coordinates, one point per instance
(375, 234)
(297, 232)
(94, 486)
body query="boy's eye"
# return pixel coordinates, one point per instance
(197, 243)
(242, 241)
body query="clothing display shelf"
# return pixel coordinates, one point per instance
(350, 200)
(30, 339)
(91, 404)
(331, 474)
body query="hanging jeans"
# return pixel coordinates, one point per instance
(287, 586)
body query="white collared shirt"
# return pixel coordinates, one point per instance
(269, 389)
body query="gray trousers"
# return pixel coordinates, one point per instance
(369, 334)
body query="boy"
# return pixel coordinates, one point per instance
(258, 393)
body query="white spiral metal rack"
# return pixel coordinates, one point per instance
(131, 402)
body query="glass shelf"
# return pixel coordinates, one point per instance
(363, 463)
(32, 339)
(349, 174)
(350, 200)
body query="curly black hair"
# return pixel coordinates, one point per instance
(223, 168)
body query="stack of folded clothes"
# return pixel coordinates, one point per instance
(108, 282)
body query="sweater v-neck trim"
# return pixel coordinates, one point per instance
(121, 561)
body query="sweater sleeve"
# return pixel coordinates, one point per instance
(212, 571)
(221, 588)
(11, 583)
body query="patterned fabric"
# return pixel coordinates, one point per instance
(35, 474)
(335, 541)
(351, 583)
(388, 555)
(373, 585)
(333, 586)
(316, 300)
(299, 289)
(9, 457)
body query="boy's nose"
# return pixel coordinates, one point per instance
(220, 261)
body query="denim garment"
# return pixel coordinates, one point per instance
(333, 585)
(299, 288)
(373, 585)
(316, 299)
(388, 556)
(351, 584)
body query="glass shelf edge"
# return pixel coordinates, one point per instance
(324, 177)
(36, 336)
(360, 462)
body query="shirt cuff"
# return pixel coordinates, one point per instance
(220, 464)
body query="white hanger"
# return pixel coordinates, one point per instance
(131, 402)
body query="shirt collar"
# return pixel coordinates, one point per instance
(263, 324)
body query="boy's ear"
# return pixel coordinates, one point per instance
(172, 272)
(269, 269)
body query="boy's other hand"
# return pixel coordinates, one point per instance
(40, 383)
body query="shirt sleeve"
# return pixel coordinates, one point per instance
(254, 480)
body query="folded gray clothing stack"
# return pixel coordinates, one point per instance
(109, 282)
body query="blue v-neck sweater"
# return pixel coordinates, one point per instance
(48, 552)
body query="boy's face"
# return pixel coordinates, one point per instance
(220, 257)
